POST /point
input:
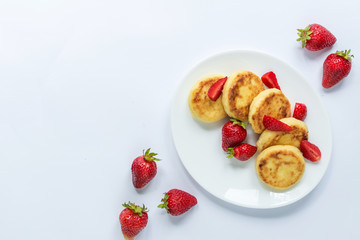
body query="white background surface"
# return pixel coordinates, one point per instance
(85, 86)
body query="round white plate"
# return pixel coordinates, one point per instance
(199, 144)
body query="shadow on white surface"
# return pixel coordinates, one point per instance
(336, 88)
(316, 55)
(176, 220)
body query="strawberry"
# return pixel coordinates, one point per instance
(177, 202)
(233, 133)
(310, 151)
(273, 124)
(316, 37)
(300, 111)
(270, 80)
(215, 90)
(144, 169)
(133, 220)
(242, 152)
(336, 67)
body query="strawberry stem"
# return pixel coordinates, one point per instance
(240, 123)
(135, 208)
(230, 153)
(164, 203)
(304, 35)
(345, 54)
(150, 156)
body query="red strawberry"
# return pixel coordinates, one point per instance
(216, 89)
(144, 169)
(310, 151)
(233, 133)
(315, 37)
(300, 111)
(270, 80)
(336, 67)
(242, 152)
(177, 202)
(133, 220)
(273, 124)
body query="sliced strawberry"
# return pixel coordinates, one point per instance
(300, 111)
(216, 89)
(273, 124)
(242, 152)
(270, 80)
(310, 151)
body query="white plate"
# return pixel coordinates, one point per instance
(199, 144)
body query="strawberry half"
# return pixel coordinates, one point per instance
(177, 202)
(242, 152)
(233, 133)
(310, 151)
(133, 220)
(270, 80)
(274, 124)
(215, 90)
(300, 111)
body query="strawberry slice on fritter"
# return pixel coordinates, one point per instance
(274, 124)
(270, 80)
(216, 89)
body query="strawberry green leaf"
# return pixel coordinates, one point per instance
(235, 121)
(304, 35)
(230, 153)
(135, 208)
(164, 203)
(150, 156)
(345, 54)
